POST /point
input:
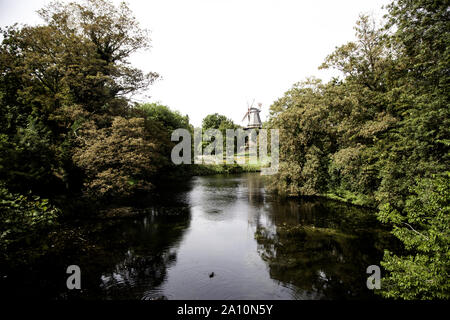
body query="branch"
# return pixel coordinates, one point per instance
(416, 230)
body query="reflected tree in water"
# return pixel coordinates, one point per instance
(323, 249)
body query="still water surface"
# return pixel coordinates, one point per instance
(218, 237)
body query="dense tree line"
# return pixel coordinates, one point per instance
(67, 127)
(379, 136)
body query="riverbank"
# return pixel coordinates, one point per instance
(359, 200)
(212, 169)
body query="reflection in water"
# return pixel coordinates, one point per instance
(150, 250)
(257, 245)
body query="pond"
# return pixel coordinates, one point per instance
(215, 237)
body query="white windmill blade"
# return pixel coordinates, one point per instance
(247, 114)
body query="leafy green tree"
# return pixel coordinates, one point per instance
(423, 227)
(107, 35)
(23, 217)
(418, 150)
(217, 121)
(160, 122)
(419, 147)
(169, 119)
(366, 60)
(382, 128)
(27, 157)
(301, 117)
(72, 69)
(220, 122)
(118, 160)
(329, 131)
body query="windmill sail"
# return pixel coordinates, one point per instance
(247, 115)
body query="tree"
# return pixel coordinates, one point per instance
(366, 60)
(171, 120)
(382, 128)
(423, 227)
(107, 35)
(301, 117)
(216, 121)
(220, 122)
(118, 160)
(417, 153)
(329, 131)
(61, 75)
(419, 99)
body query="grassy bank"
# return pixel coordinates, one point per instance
(210, 169)
(352, 198)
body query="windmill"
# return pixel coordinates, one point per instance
(252, 115)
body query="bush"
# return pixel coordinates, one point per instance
(118, 160)
(22, 216)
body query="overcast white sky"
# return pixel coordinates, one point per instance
(215, 55)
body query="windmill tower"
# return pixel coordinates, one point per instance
(253, 122)
(252, 115)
